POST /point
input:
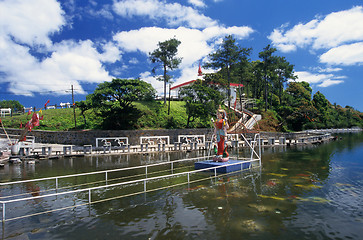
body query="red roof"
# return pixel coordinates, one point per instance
(189, 82)
(236, 85)
(183, 84)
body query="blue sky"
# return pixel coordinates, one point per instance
(48, 45)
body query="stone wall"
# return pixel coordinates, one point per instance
(88, 137)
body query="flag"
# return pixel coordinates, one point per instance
(200, 71)
(41, 117)
(45, 105)
(29, 112)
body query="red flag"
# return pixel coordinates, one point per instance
(41, 117)
(200, 71)
(29, 112)
(45, 105)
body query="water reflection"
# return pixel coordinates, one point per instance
(303, 192)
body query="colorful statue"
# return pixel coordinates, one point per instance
(220, 134)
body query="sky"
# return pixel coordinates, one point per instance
(47, 46)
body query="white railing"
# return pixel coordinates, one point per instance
(89, 191)
(4, 111)
(154, 140)
(107, 141)
(191, 139)
(255, 157)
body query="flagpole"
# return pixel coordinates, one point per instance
(74, 110)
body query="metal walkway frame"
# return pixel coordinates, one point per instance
(255, 158)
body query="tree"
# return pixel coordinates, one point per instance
(202, 99)
(113, 101)
(165, 56)
(84, 106)
(299, 109)
(228, 54)
(267, 68)
(284, 71)
(13, 104)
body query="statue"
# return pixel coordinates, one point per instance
(220, 135)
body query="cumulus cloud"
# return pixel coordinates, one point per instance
(69, 64)
(31, 62)
(174, 14)
(318, 79)
(197, 3)
(30, 22)
(333, 30)
(349, 54)
(195, 43)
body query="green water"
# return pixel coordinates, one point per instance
(305, 192)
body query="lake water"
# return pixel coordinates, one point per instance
(305, 192)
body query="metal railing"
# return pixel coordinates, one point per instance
(255, 157)
(89, 191)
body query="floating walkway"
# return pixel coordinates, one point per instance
(146, 181)
(57, 193)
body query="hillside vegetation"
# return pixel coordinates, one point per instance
(155, 116)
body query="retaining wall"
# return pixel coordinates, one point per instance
(88, 137)
(81, 138)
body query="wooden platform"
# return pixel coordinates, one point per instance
(229, 166)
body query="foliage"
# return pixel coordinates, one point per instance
(269, 122)
(226, 57)
(165, 56)
(113, 102)
(301, 112)
(13, 104)
(202, 99)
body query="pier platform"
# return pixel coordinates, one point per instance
(223, 167)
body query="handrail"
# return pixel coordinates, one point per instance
(144, 181)
(98, 172)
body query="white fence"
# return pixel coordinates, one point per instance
(112, 141)
(4, 111)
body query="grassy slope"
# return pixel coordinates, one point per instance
(154, 116)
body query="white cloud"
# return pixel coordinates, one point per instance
(157, 85)
(134, 61)
(31, 62)
(326, 70)
(323, 32)
(111, 53)
(197, 3)
(173, 13)
(69, 64)
(328, 83)
(105, 12)
(318, 79)
(195, 44)
(30, 22)
(344, 55)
